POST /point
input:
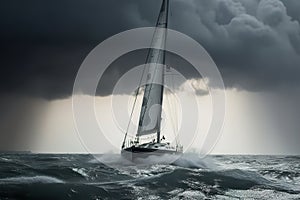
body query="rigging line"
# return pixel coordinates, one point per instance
(158, 26)
(160, 51)
(176, 108)
(175, 103)
(137, 92)
(173, 121)
(151, 84)
(142, 115)
(136, 95)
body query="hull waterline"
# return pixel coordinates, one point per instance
(137, 154)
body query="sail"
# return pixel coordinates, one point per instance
(150, 116)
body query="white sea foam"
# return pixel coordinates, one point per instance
(257, 194)
(30, 179)
(110, 159)
(188, 160)
(190, 194)
(193, 160)
(80, 171)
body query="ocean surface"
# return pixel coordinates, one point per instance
(56, 176)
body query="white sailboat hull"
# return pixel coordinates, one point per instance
(145, 151)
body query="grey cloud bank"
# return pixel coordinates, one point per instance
(256, 44)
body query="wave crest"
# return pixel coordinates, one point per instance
(30, 179)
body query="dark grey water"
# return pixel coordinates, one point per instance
(39, 176)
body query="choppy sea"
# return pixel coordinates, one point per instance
(73, 176)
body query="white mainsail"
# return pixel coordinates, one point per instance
(150, 116)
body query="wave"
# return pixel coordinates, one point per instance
(189, 160)
(80, 171)
(193, 160)
(30, 179)
(281, 174)
(189, 177)
(213, 182)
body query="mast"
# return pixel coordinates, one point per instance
(163, 23)
(150, 115)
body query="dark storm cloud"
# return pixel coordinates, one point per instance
(293, 8)
(137, 58)
(256, 44)
(43, 42)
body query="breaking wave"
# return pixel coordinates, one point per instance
(30, 179)
(189, 177)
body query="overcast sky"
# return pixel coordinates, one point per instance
(255, 44)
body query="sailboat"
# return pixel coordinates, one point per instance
(151, 109)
